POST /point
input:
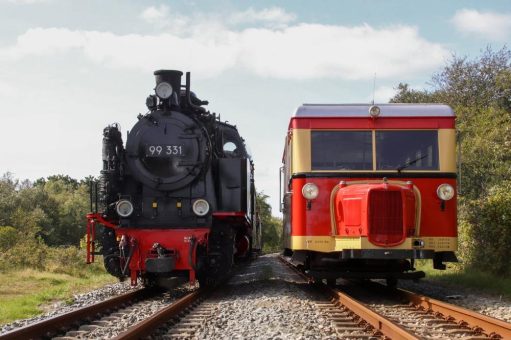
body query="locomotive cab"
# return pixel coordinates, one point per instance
(366, 190)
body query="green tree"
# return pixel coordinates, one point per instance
(271, 226)
(479, 90)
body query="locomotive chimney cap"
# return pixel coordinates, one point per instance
(169, 72)
(170, 76)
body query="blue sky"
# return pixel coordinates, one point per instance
(69, 68)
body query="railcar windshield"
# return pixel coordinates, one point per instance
(395, 150)
(413, 150)
(341, 150)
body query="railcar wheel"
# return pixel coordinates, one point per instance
(287, 252)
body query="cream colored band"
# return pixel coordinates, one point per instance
(329, 244)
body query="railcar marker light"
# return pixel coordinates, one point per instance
(200, 207)
(124, 208)
(445, 192)
(374, 111)
(163, 90)
(310, 191)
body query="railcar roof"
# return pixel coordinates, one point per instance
(362, 110)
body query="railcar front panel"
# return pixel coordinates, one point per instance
(357, 186)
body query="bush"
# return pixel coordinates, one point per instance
(485, 231)
(8, 237)
(66, 260)
(26, 253)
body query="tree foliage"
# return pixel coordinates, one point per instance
(52, 209)
(479, 90)
(271, 226)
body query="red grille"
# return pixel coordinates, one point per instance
(386, 217)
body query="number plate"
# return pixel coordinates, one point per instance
(163, 150)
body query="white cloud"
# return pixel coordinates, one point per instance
(488, 25)
(7, 89)
(155, 14)
(28, 2)
(301, 51)
(275, 16)
(382, 94)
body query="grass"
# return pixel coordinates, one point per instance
(25, 292)
(475, 280)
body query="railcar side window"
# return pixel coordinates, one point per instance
(412, 150)
(341, 150)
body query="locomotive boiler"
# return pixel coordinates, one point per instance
(177, 200)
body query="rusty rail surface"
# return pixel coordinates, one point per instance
(149, 325)
(491, 327)
(380, 323)
(61, 323)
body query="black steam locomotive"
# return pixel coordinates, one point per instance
(179, 199)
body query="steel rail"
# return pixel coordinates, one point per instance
(149, 325)
(490, 326)
(380, 323)
(60, 323)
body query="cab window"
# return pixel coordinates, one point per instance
(341, 150)
(411, 150)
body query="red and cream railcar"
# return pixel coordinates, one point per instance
(366, 189)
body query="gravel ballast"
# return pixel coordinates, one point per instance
(264, 299)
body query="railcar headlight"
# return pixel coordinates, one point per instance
(310, 191)
(124, 208)
(374, 111)
(200, 207)
(163, 90)
(445, 191)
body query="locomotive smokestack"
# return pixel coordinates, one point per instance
(172, 77)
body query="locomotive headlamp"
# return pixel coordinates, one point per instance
(163, 90)
(445, 192)
(200, 207)
(124, 208)
(310, 191)
(374, 111)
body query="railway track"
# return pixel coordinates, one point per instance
(174, 317)
(60, 324)
(88, 319)
(196, 313)
(177, 320)
(413, 317)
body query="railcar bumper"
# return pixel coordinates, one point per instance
(386, 254)
(366, 275)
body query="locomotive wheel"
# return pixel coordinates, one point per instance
(220, 258)
(110, 251)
